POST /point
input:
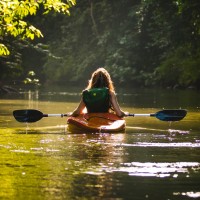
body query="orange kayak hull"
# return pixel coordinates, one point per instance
(96, 122)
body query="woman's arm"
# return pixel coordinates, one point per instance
(79, 109)
(116, 106)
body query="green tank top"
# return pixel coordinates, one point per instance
(97, 100)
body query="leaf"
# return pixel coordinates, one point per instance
(4, 50)
(22, 23)
(32, 10)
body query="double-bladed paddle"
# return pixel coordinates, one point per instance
(31, 115)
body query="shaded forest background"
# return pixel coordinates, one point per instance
(146, 43)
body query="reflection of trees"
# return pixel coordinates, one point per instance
(33, 97)
(96, 153)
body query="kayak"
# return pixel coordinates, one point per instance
(96, 122)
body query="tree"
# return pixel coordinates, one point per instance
(179, 66)
(14, 14)
(141, 42)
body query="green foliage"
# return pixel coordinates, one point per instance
(4, 50)
(31, 79)
(181, 67)
(136, 41)
(141, 43)
(14, 13)
(90, 41)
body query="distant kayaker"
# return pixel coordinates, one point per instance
(99, 96)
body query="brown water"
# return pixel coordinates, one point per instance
(151, 160)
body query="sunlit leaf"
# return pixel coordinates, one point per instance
(31, 73)
(4, 50)
(13, 13)
(33, 10)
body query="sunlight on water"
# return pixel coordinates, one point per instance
(178, 131)
(42, 160)
(188, 194)
(158, 169)
(150, 169)
(161, 144)
(59, 129)
(46, 141)
(20, 151)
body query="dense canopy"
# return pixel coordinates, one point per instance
(141, 43)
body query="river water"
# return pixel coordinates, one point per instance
(151, 160)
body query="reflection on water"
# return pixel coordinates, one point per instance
(151, 160)
(180, 144)
(188, 194)
(151, 169)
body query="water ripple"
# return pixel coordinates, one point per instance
(188, 194)
(151, 169)
(154, 144)
(157, 169)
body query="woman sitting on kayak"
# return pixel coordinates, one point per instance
(99, 96)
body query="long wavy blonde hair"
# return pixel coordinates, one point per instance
(101, 78)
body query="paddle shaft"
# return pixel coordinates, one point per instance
(129, 115)
(141, 115)
(56, 115)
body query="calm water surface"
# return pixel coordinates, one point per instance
(151, 160)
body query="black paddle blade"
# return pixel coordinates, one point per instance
(29, 115)
(171, 115)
